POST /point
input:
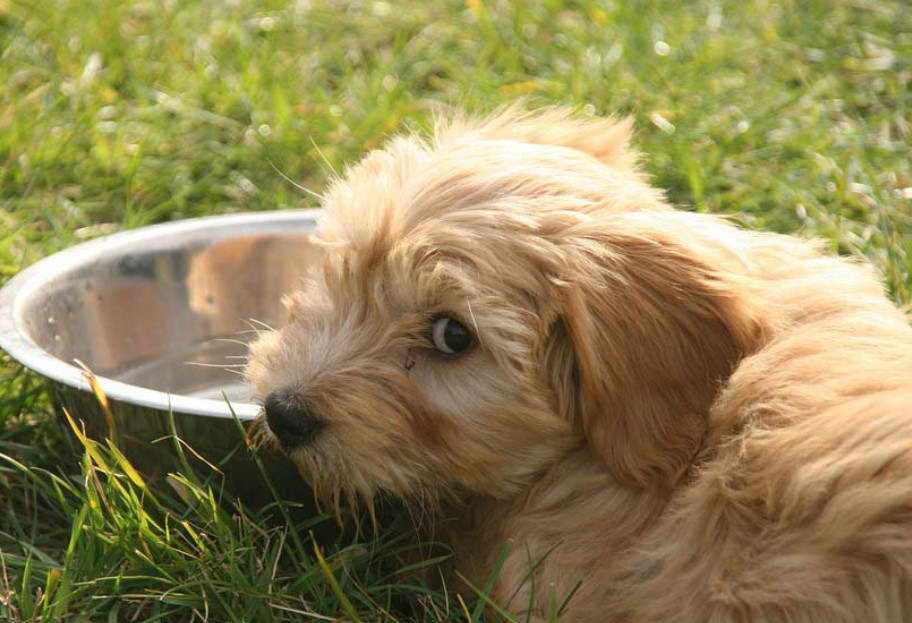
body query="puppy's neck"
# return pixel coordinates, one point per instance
(575, 498)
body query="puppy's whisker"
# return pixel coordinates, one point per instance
(474, 322)
(227, 340)
(253, 322)
(237, 369)
(203, 364)
(325, 160)
(300, 187)
(257, 332)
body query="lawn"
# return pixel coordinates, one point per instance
(795, 115)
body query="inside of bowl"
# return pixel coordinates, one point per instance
(173, 319)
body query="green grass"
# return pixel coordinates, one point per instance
(796, 115)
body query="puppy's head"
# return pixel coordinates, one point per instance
(492, 299)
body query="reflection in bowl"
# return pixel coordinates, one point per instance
(162, 315)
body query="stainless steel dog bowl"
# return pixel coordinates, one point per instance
(161, 315)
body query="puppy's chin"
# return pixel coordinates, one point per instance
(260, 437)
(345, 464)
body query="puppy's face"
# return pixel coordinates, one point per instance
(447, 344)
(400, 371)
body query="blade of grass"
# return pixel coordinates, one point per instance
(347, 605)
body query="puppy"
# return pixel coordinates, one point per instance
(662, 416)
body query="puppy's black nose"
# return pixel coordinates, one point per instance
(289, 419)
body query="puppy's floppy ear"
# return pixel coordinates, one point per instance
(605, 138)
(650, 324)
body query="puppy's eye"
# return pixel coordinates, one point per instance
(450, 337)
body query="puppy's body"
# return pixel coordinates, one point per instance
(672, 417)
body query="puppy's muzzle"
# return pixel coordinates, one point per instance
(290, 420)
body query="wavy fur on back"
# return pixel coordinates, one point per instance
(668, 416)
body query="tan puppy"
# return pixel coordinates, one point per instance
(676, 418)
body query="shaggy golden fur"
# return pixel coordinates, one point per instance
(679, 419)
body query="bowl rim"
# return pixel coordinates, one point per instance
(17, 343)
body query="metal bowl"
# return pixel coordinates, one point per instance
(162, 315)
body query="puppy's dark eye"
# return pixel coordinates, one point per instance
(450, 337)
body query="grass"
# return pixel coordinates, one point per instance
(796, 115)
